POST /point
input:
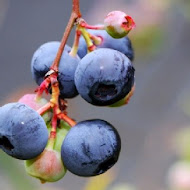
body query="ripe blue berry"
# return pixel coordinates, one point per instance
(104, 77)
(23, 132)
(91, 147)
(123, 44)
(42, 61)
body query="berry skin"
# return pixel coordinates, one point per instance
(104, 77)
(123, 45)
(30, 100)
(91, 147)
(118, 24)
(23, 133)
(42, 61)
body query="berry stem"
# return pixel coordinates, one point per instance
(99, 27)
(76, 43)
(54, 126)
(97, 40)
(74, 15)
(43, 87)
(76, 7)
(55, 93)
(52, 136)
(86, 36)
(51, 78)
(67, 119)
(45, 108)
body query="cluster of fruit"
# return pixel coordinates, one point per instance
(99, 68)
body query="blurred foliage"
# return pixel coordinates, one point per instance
(184, 102)
(14, 170)
(182, 143)
(100, 182)
(148, 41)
(122, 186)
(184, 6)
(104, 182)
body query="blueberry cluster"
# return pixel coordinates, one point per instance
(99, 68)
(102, 77)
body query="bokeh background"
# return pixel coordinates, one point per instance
(159, 108)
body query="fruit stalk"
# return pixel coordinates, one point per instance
(76, 43)
(86, 35)
(43, 87)
(67, 119)
(45, 108)
(53, 131)
(76, 7)
(87, 26)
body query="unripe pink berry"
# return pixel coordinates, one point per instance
(48, 166)
(118, 24)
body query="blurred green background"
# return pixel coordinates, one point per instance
(159, 108)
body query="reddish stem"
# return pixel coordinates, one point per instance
(55, 94)
(52, 78)
(67, 119)
(54, 126)
(76, 7)
(74, 49)
(96, 39)
(45, 108)
(87, 26)
(43, 87)
(74, 15)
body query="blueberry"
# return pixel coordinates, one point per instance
(23, 132)
(91, 147)
(123, 44)
(104, 77)
(42, 61)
